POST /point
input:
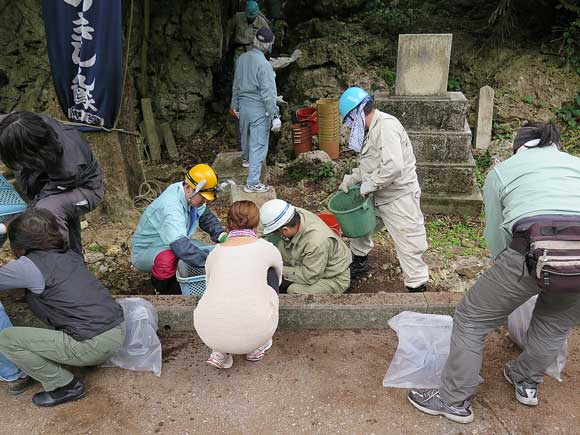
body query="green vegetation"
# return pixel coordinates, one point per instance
(455, 236)
(482, 164)
(314, 172)
(454, 84)
(527, 99)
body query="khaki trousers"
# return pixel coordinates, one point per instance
(40, 352)
(404, 221)
(326, 286)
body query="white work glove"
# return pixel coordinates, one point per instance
(366, 188)
(347, 181)
(3, 229)
(296, 54)
(276, 124)
(280, 100)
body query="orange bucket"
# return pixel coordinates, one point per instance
(301, 138)
(310, 115)
(331, 221)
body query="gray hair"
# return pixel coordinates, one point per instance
(262, 46)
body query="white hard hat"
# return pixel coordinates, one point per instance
(274, 214)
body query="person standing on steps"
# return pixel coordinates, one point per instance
(163, 235)
(386, 170)
(316, 260)
(254, 100)
(532, 228)
(54, 167)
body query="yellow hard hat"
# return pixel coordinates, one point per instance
(199, 173)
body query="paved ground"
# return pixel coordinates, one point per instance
(309, 383)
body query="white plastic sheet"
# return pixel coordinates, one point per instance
(518, 324)
(422, 350)
(141, 350)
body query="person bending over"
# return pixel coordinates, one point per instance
(89, 326)
(238, 313)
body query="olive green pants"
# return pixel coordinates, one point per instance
(40, 352)
(325, 286)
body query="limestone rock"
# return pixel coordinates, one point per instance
(317, 156)
(114, 251)
(94, 257)
(470, 267)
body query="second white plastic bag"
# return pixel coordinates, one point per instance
(141, 350)
(422, 350)
(518, 324)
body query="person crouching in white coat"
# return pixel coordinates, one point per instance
(386, 170)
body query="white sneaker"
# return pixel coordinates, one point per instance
(256, 188)
(221, 360)
(245, 164)
(259, 353)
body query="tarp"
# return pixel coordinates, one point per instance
(84, 40)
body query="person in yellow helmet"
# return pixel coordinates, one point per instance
(163, 235)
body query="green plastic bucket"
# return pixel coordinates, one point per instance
(355, 214)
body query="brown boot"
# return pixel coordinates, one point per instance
(20, 386)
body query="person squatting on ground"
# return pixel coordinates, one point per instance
(54, 167)
(254, 102)
(316, 260)
(8, 371)
(238, 313)
(533, 192)
(242, 29)
(163, 234)
(89, 326)
(386, 170)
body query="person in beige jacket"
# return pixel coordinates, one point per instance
(316, 260)
(387, 171)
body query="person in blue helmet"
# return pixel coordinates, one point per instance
(254, 98)
(387, 171)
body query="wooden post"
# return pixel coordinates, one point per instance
(144, 83)
(169, 141)
(150, 130)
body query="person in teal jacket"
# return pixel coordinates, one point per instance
(163, 235)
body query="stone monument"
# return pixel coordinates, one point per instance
(436, 121)
(484, 118)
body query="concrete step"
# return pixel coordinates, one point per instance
(238, 194)
(441, 146)
(228, 165)
(464, 204)
(426, 113)
(447, 177)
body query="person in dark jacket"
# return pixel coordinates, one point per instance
(54, 167)
(89, 326)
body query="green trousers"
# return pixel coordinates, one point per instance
(326, 286)
(40, 352)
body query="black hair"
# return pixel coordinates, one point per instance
(29, 142)
(369, 107)
(295, 221)
(547, 133)
(36, 230)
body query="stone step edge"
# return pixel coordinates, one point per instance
(348, 311)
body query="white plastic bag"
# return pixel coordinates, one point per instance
(422, 350)
(141, 350)
(518, 324)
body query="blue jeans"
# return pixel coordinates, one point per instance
(255, 134)
(8, 371)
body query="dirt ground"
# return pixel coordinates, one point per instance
(310, 382)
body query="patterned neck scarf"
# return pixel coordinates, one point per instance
(241, 233)
(356, 121)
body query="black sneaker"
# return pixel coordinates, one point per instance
(420, 289)
(430, 403)
(359, 266)
(19, 386)
(526, 392)
(75, 390)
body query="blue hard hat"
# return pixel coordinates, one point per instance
(349, 99)
(252, 9)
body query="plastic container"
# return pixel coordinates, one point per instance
(301, 138)
(11, 204)
(309, 115)
(331, 221)
(192, 279)
(328, 126)
(355, 214)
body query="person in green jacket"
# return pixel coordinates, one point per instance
(539, 183)
(242, 29)
(316, 260)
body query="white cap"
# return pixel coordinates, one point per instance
(274, 214)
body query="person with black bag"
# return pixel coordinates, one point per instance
(532, 205)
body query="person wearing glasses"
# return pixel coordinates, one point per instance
(163, 234)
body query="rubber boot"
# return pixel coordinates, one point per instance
(359, 266)
(419, 289)
(168, 286)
